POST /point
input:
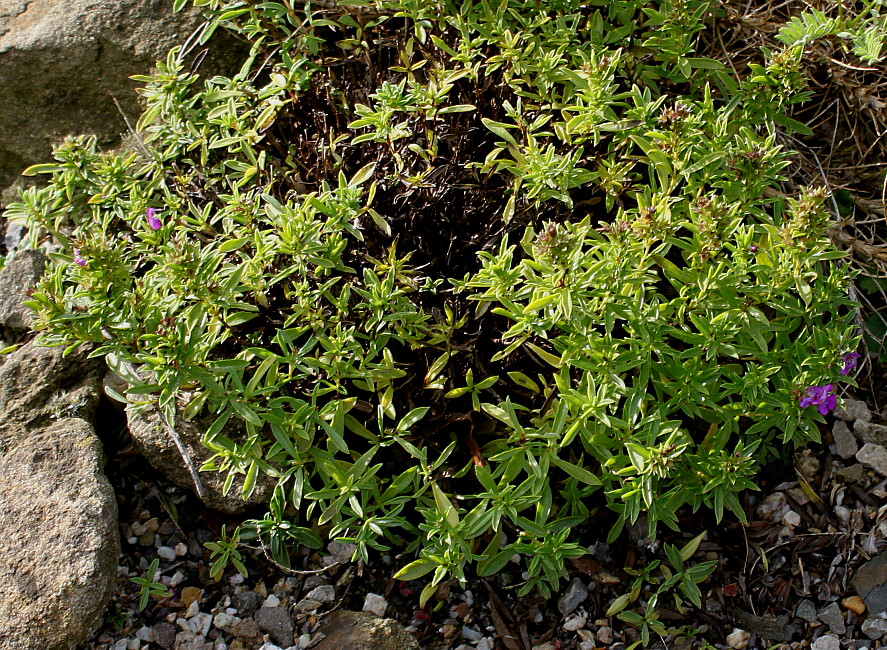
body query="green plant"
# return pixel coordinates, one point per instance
(224, 552)
(149, 586)
(600, 234)
(680, 580)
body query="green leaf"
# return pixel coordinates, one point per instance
(415, 570)
(579, 473)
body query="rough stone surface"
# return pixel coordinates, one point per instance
(360, 631)
(832, 616)
(574, 596)
(845, 442)
(806, 610)
(874, 456)
(38, 385)
(853, 409)
(276, 622)
(827, 642)
(59, 547)
(868, 432)
(20, 273)
(870, 582)
(64, 62)
(156, 444)
(874, 628)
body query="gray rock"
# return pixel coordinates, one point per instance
(875, 456)
(39, 385)
(361, 631)
(21, 272)
(874, 628)
(870, 582)
(64, 62)
(574, 596)
(375, 604)
(156, 444)
(832, 616)
(59, 547)
(276, 622)
(845, 441)
(323, 594)
(827, 642)
(165, 635)
(868, 432)
(806, 610)
(853, 409)
(247, 602)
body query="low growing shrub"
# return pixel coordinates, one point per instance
(463, 271)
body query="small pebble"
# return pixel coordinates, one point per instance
(574, 596)
(166, 553)
(471, 634)
(225, 622)
(271, 601)
(792, 519)
(604, 635)
(486, 644)
(201, 623)
(874, 628)
(138, 529)
(323, 594)
(235, 580)
(193, 609)
(304, 640)
(181, 549)
(576, 623)
(375, 604)
(854, 604)
(145, 633)
(738, 639)
(806, 610)
(827, 642)
(190, 595)
(831, 615)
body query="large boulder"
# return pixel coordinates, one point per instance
(59, 546)
(20, 273)
(63, 63)
(156, 443)
(39, 385)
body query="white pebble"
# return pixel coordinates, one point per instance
(177, 578)
(471, 634)
(576, 623)
(145, 633)
(485, 644)
(132, 540)
(304, 640)
(201, 623)
(225, 622)
(271, 601)
(375, 604)
(193, 610)
(235, 580)
(166, 553)
(791, 519)
(181, 549)
(135, 644)
(738, 639)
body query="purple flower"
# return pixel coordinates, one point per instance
(79, 261)
(153, 221)
(752, 249)
(821, 397)
(849, 359)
